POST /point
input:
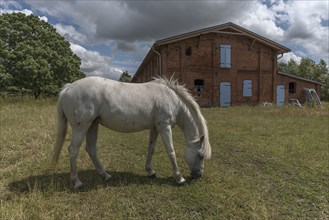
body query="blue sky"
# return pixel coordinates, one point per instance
(114, 36)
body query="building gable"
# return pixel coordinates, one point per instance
(227, 28)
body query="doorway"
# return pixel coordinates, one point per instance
(225, 94)
(280, 95)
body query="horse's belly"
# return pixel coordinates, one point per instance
(125, 125)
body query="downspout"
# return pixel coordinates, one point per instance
(259, 75)
(213, 70)
(280, 56)
(160, 64)
(275, 69)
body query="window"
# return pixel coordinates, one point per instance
(247, 88)
(198, 85)
(225, 56)
(188, 51)
(292, 87)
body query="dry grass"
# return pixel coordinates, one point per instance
(268, 163)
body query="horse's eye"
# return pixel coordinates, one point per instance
(201, 156)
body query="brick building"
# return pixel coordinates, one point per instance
(224, 65)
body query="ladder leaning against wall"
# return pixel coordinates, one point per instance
(312, 97)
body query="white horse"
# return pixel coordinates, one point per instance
(126, 107)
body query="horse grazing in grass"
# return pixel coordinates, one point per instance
(126, 107)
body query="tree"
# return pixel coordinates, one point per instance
(293, 67)
(322, 71)
(125, 77)
(322, 74)
(307, 69)
(34, 57)
(283, 67)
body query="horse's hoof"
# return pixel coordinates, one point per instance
(77, 184)
(78, 187)
(184, 183)
(152, 176)
(107, 178)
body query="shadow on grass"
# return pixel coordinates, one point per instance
(60, 182)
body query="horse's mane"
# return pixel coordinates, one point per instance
(193, 108)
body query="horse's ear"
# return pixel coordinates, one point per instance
(201, 139)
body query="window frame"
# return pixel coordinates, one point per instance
(199, 87)
(292, 90)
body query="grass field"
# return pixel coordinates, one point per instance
(268, 163)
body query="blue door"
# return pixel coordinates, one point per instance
(280, 95)
(247, 88)
(225, 94)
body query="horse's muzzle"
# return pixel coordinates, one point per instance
(196, 174)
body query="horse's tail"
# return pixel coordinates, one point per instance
(61, 128)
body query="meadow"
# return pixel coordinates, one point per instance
(267, 163)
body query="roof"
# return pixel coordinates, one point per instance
(301, 78)
(222, 29)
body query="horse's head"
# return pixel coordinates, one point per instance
(194, 157)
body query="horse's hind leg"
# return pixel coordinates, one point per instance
(77, 139)
(152, 144)
(91, 140)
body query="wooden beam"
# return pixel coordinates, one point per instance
(229, 33)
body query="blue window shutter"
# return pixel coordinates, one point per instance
(225, 56)
(222, 56)
(228, 56)
(247, 88)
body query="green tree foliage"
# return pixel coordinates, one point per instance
(309, 69)
(293, 67)
(125, 77)
(34, 57)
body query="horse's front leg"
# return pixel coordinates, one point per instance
(166, 135)
(148, 165)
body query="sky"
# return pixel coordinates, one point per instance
(114, 36)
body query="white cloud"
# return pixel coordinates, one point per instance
(262, 20)
(24, 11)
(304, 26)
(94, 64)
(10, 11)
(288, 56)
(70, 33)
(43, 18)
